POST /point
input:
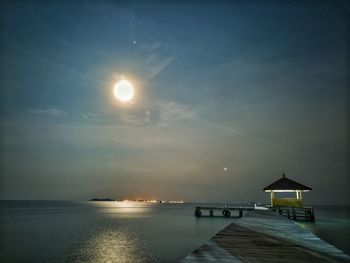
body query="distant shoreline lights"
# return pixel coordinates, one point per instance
(154, 201)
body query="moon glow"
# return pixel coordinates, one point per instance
(123, 90)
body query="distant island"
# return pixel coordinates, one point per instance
(102, 199)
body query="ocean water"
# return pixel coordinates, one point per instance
(60, 231)
(49, 231)
(332, 225)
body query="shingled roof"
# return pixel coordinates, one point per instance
(286, 184)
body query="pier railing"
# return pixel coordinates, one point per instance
(306, 213)
(225, 211)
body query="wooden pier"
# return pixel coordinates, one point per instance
(265, 236)
(225, 211)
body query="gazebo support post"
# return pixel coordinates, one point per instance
(299, 195)
(272, 196)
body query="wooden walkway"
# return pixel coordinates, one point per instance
(263, 236)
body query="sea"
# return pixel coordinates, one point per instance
(67, 231)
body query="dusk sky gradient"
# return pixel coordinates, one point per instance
(259, 87)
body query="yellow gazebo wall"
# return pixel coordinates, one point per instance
(294, 202)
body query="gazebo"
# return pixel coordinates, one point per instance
(286, 185)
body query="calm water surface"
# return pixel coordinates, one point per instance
(58, 231)
(332, 225)
(48, 231)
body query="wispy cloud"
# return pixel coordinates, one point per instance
(174, 111)
(156, 45)
(90, 116)
(143, 118)
(157, 58)
(148, 118)
(48, 112)
(131, 119)
(158, 63)
(163, 113)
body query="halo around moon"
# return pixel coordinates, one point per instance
(123, 91)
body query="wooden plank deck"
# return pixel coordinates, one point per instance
(263, 236)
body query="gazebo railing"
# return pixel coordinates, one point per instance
(294, 202)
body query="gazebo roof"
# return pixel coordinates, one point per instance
(285, 184)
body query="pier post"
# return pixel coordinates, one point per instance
(211, 212)
(312, 214)
(197, 212)
(294, 214)
(240, 213)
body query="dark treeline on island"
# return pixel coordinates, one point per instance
(102, 199)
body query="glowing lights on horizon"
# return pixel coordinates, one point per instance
(154, 201)
(176, 202)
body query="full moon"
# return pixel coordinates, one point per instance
(123, 90)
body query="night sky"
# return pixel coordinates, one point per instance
(229, 94)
